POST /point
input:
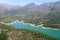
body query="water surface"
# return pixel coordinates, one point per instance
(51, 32)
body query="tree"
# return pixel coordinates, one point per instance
(3, 36)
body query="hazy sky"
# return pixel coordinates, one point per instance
(24, 2)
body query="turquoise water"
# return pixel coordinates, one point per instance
(51, 32)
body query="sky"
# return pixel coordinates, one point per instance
(24, 2)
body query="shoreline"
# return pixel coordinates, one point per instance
(28, 24)
(50, 28)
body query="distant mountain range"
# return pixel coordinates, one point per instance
(30, 8)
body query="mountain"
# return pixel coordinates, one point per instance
(4, 8)
(31, 8)
(37, 9)
(8, 7)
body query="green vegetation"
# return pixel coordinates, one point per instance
(52, 24)
(7, 28)
(54, 20)
(3, 36)
(51, 19)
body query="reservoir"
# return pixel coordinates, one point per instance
(51, 32)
